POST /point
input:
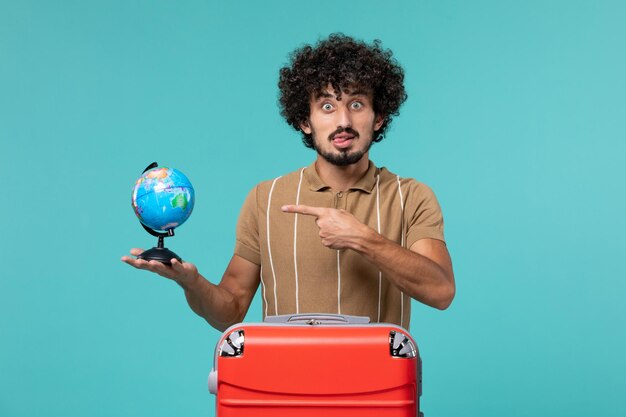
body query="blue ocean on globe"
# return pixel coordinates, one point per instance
(163, 198)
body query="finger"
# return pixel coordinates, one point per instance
(303, 209)
(160, 268)
(152, 266)
(137, 263)
(180, 268)
(183, 267)
(136, 251)
(177, 265)
(127, 259)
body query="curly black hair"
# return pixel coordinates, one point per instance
(342, 62)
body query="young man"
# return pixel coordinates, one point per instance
(341, 235)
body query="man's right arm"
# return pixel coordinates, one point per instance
(220, 305)
(227, 303)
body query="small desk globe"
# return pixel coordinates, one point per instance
(162, 199)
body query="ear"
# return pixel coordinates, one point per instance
(305, 126)
(378, 122)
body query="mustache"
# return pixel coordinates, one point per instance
(342, 130)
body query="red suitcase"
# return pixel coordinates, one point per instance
(316, 365)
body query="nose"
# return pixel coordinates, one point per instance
(344, 118)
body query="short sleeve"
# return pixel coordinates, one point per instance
(423, 215)
(247, 238)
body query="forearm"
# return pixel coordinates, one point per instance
(414, 274)
(221, 305)
(218, 306)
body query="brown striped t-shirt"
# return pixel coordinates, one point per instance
(300, 275)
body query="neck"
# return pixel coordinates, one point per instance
(341, 178)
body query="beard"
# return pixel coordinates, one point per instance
(342, 157)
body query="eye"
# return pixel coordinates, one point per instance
(327, 107)
(356, 105)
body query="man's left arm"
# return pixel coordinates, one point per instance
(424, 272)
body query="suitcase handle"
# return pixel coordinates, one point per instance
(315, 319)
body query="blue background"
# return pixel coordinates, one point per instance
(516, 118)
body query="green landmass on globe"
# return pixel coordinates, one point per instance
(180, 201)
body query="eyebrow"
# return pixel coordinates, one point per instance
(360, 92)
(322, 95)
(325, 94)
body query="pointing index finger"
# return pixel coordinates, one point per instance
(303, 209)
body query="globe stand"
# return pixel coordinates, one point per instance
(159, 253)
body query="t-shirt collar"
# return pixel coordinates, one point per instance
(365, 183)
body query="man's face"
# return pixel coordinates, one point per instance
(343, 125)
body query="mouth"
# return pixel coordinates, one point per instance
(343, 140)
